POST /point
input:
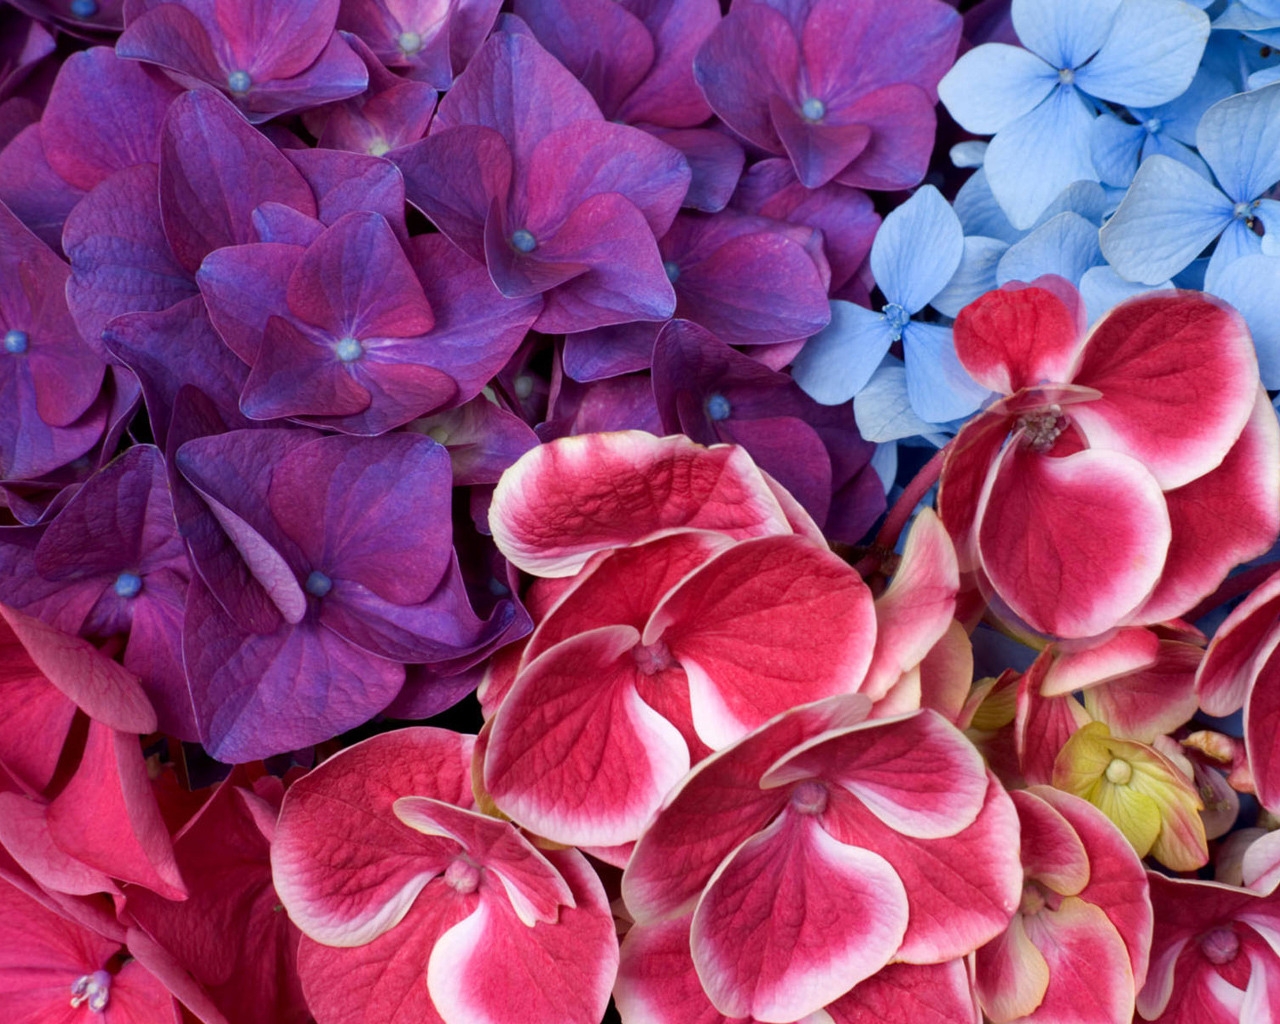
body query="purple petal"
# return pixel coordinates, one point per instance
(297, 374)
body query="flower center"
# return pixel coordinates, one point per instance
(1119, 772)
(15, 342)
(318, 584)
(1220, 946)
(672, 271)
(813, 110)
(653, 658)
(718, 407)
(523, 241)
(128, 584)
(378, 147)
(1041, 429)
(84, 8)
(462, 875)
(238, 82)
(409, 43)
(93, 989)
(810, 797)
(897, 318)
(1066, 76)
(1153, 125)
(348, 350)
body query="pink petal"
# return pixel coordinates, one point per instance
(575, 754)
(657, 982)
(1090, 981)
(911, 994)
(622, 586)
(1012, 975)
(967, 462)
(344, 866)
(1012, 339)
(1222, 519)
(1052, 853)
(792, 919)
(36, 716)
(1153, 701)
(534, 887)
(385, 979)
(764, 626)
(962, 890)
(918, 775)
(107, 816)
(24, 834)
(1178, 377)
(1117, 878)
(1261, 726)
(1074, 668)
(916, 609)
(1042, 724)
(103, 689)
(493, 969)
(567, 499)
(1235, 655)
(1072, 544)
(718, 806)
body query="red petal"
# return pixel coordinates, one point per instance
(1016, 338)
(1073, 544)
(1178, 377)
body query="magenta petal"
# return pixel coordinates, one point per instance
(37, 716)
(493, 969)
(343, 864)
(606, 490)
(24, 834)
(575, 753)
(764, 626)
(355, 280)
(1199, 350)
(792, 920)
(368, 510)
(1102, 507)
(715, 165)
(215, 169)
(298, 375)
(903, 124)
(243, 287)
(518, 275)
(818, 151)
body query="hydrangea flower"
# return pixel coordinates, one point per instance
(915, 254)
(1040, 102)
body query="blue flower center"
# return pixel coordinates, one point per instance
(238, 82)
(718, 407)
(672, 271)
(318, 584)
(897, 317)
(348, 350)
(1153, 125)
(409, 43)
(813, 110)
(1066, 76)
(93, 989)
(15, 342)
(128, 584)
(523, 241)
(84, 8)
(1243, 211)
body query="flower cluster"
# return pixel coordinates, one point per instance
(580, 510)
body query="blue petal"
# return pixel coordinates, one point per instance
(1257, 15)
(994, 84)
(1151, 54)
(1237, 241)
(1115, 147)
(968, 154)
(1264, 77)
(1087, 198)
(1180, 117)
(1066, 246)
(917, 249)
(1251, 284)
(1066, 33)
(1240, 139)
(883, 412)
(884, 460)
(1168, 216)
(975, 276)
(1164, 145)
(1268, 211)
(940, 389)
(1037, 156)
(1101, 288)
(836, 364)
(979, 212)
